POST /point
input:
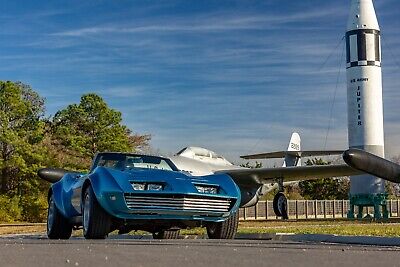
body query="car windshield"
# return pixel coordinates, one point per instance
(127, 161)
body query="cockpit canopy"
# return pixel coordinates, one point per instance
(202, 154)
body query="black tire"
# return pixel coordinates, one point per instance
(280, 205)
(224, 230)
(169, 234)
(58, 227)
(95, 220)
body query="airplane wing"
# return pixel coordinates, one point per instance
(303, 153)
(257, 177)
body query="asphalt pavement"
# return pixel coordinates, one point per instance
(37, 250)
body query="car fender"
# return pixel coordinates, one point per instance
(62, 195)
(104, 184)
(234, 190)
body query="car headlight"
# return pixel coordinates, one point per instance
(155, 187)
(207, 189)
(139, 186)
(147, 186)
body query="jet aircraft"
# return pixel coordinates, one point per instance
(255, 182)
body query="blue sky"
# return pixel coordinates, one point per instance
(234, 76)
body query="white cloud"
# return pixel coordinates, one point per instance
(205, 23)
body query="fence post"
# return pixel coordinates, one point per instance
(255, 211)
(342, 208)
(297, 209)
(390, 208)
(244, 213)
(315, 209)
(306, 208)
(266, 210)
(324, 206)
(333, 209)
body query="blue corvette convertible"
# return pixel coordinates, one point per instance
(128, 192)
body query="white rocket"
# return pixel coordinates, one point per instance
(364, 90)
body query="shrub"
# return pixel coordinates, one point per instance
(34, 208)
(10, 210)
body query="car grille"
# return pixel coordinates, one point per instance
(182, 203)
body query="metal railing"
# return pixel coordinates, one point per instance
(311, 209)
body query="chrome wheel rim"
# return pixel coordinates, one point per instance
(86, 212)
(50, 215)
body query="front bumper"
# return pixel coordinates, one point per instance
(169, 206)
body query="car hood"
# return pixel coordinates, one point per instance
(175, 182)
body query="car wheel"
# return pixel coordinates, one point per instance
(96, 221)
(224, 230)
(58, 227)
(169, 234)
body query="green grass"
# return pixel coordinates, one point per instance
(338, 227)
(22, 229)
(388, 229)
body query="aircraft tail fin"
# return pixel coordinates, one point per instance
(294, 145)
(293, 154)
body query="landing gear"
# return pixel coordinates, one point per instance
(280, 205)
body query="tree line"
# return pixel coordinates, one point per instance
(30, 140)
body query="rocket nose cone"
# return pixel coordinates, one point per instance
(362, 16)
